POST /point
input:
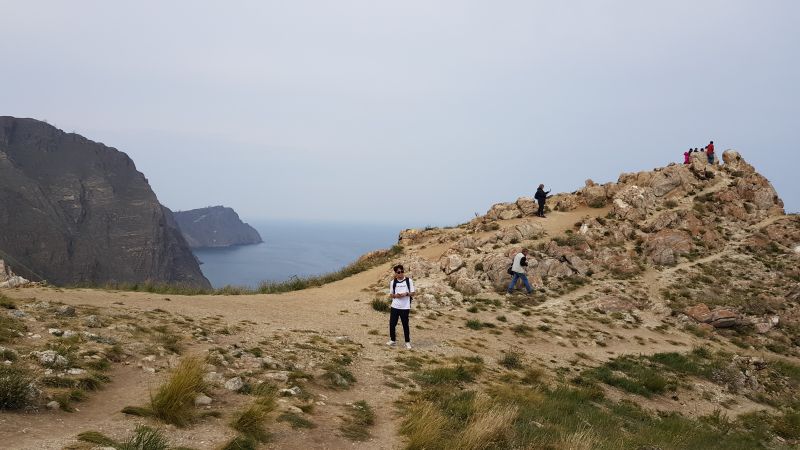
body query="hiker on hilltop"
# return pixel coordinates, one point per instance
(710, 152)
(401, 290)
(518, 268)
(541, 196)
(687, 157)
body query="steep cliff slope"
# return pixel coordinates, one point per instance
(75, 211)
(215, 226)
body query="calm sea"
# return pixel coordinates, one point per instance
(293, 249)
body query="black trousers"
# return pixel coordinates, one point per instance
(540, 212)
(401, 314)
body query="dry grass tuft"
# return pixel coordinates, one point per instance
(423, 426)
(489, 424)
(174, 401)
(583, 439)
(250, 422)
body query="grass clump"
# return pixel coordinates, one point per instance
(511, 360)
(250, 422)
(380, 305)
(296, 421)
(173, 403)
(240, 443)
(448, 375)
(355, 426)
(143, 438)
(16, 388)
(473, 324)
(10, 328)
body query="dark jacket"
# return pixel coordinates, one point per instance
(541, 195)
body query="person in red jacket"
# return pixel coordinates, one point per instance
(687, 157)
(710, 152)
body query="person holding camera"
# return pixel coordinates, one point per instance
(401, 291)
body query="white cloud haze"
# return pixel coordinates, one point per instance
(414, 112)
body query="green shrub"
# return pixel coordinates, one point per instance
(250, 423)
(16, 388)
(295, 421)
(380, 305)
(173, 403)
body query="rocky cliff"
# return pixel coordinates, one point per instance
(215, 226)
(75, 211)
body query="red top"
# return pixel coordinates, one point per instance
(687, 158)
(710, 149)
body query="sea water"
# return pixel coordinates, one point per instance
(293, 249)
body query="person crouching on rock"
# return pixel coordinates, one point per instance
(518, 270)
(401, 290)
(541, 196)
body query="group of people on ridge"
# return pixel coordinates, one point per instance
(401, 288)
(708, 150)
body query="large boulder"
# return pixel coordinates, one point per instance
(527, 205)
(633, 202)
(451, 263)
(734, 161)
(664, 248)
(467, 286)
(595, 196)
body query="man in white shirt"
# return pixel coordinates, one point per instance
(518, 269)
(401, 290)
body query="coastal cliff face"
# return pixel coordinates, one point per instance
(215, 226)
(75, 211)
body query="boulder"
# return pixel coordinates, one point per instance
(451, 263)
(723, 318)
(578, 265)
(595, 196)
(633, 203)
(234, 384)
(468, 286)
(202, 400)
(734, 161)
(564, 202)
(664, 248)
(65, 311)
(699, 312)
(613, 304)
(527, 206)
(93, 321)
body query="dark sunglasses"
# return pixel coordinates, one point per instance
(398, 271)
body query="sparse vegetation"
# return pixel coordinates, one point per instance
(173, 403)
(16, 388)
(144, 438)
(356, 425)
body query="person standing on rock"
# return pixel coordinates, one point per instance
(687, 157)
(518, 271)
(541, 196)
(401, 291)
(710, 152)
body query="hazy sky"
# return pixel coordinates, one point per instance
(409, 112)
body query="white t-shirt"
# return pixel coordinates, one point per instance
(401, 288)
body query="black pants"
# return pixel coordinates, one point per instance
(401, 314)
(540, 212)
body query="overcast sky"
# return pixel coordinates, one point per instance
(408, 112)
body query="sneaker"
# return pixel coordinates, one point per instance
(391, 343)
(408, 345)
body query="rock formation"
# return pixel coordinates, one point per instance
(215, 226)
(74, 211)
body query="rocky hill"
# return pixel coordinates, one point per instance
(215, 226)
(667, 311)
(73, 211)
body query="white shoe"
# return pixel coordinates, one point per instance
(408, 345)
(391, 343)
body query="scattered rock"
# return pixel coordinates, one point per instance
(55, 331)
(277, 376)
(723, 318)
(234, 384)
(293, 409)
(53, 405)
(213, 378)
(202, 400)
(93, 321)
(65, 311)
(50, 358)
(76, 371)
(292, 391)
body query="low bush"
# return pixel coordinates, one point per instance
(16, 388)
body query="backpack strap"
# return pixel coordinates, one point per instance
(408, 285)
(394, 285)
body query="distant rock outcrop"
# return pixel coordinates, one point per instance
(74, 211)
(215, 226)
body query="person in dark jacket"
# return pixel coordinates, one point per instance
(541, 196)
